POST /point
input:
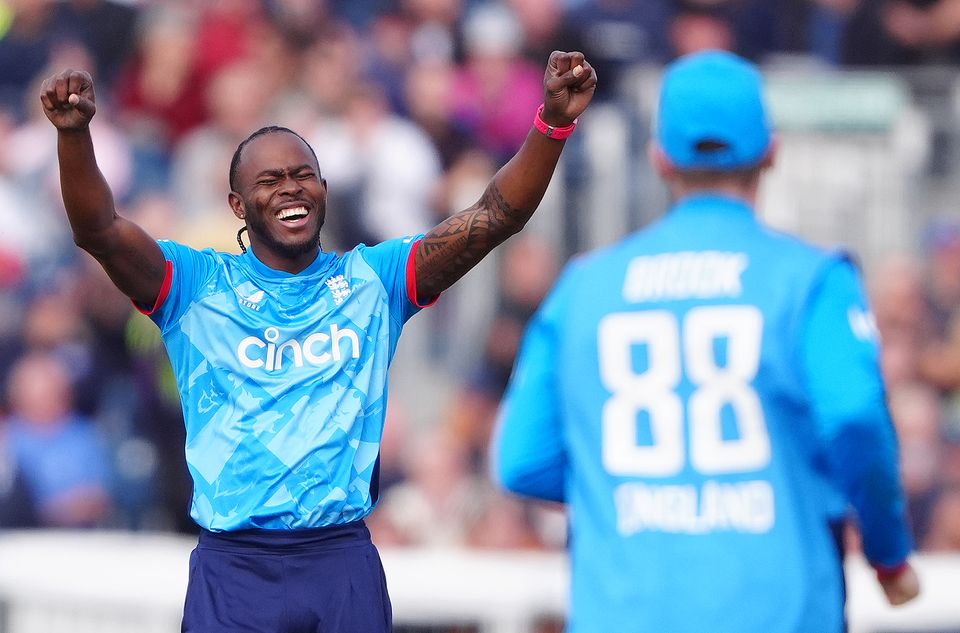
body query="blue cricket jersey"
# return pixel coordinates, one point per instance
(706, 397)
(283, 379)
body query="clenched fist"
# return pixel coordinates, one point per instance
(68, 99)
(568, 83)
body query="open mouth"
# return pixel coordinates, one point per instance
(293, 215)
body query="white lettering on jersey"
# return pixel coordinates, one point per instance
(746, 506)
(316, 349)
(689, 274)
(251, 301)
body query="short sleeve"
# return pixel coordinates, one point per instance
(187, 271)
(393, 263)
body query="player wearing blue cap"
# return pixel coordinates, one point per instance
(281, 356)
(706, 397)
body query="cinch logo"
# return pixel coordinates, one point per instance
(316, 349)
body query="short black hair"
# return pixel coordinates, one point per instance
(270, 129)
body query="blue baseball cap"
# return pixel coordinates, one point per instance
(711, 114)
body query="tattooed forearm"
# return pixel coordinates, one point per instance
(458, 243)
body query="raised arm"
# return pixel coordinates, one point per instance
(130, 257)
(458, 243)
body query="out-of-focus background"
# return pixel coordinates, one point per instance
(411, 106)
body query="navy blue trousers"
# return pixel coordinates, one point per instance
(324, 580)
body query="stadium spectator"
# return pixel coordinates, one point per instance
(826, 24)
(282, 436)
(541, 21)
(697, 27)
(393, 169)
(618, 34)
(64, 459)
(429, 103)
(505, 523)
(34, 172)
(527, 270)
(159, 92)
(160, 419)
(106, 28)
(52, 323)
(940, 359)
(26, 45)
(228, 32)
(237, 100)
(436, 28)
(944, 535)
(496, 86)
(16, 498)
(300, 20)
(754, 29)
(700, 392)
(20, 242)
(917, 413)
(903, 318)
(441, 498)
(929, 28)
(902, 32)
(388, 55)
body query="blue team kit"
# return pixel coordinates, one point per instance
(661, 392)
(283, 380)
(283, 384)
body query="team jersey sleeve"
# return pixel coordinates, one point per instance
(394, 263)
(187, 271)
(528, 455)
(840, 361)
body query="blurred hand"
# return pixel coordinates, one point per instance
(568, 83)
(68, 99)
(902, 587)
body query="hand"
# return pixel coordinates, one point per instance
(68, 99)
(568, 85)
(900, 587)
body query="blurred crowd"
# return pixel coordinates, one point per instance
(411, 106)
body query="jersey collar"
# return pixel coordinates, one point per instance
(319, 265)
(713, 203)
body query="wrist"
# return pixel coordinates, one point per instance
(558, 132)
(887, 572)
(74, 130)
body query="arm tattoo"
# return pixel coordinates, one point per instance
(458, 243)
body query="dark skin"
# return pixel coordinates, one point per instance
(277, 173)
(278, 177)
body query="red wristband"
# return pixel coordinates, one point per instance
(548, 130)
(889, 573)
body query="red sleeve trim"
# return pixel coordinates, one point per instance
(164, 291)
(889, 573)
(412, 279)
